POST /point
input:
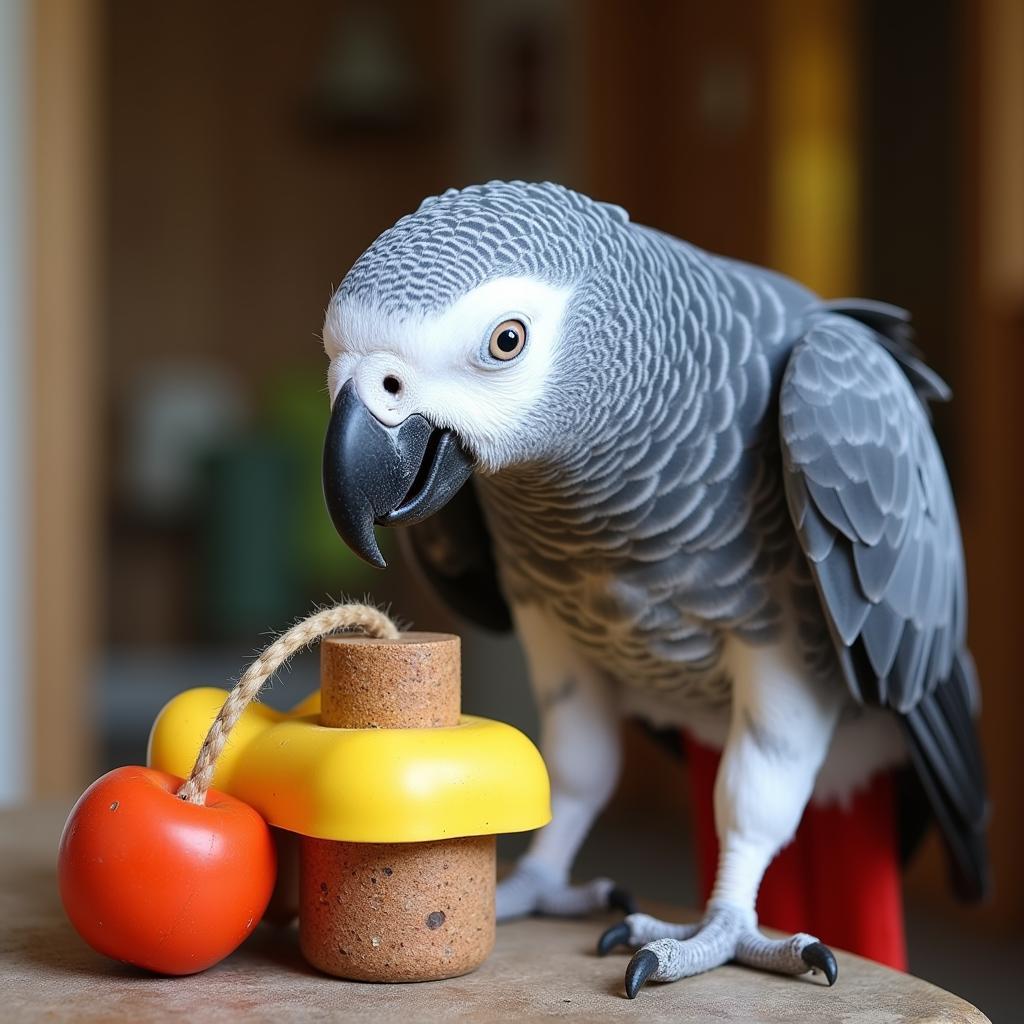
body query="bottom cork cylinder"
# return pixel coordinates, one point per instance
(397, 912)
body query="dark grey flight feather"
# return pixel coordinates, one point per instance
(944, 750)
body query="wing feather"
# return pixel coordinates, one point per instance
(881, 533)
(872, 506)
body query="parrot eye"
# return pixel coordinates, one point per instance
(507, 340)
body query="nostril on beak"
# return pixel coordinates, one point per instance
(392, 385)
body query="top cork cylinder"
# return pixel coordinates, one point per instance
(413, 682)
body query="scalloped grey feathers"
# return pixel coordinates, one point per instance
(872, 505)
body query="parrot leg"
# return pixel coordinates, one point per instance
(581, 747)
(780, 729)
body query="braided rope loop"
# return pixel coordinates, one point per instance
(366, 618)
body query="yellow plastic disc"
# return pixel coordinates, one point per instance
(479, 777)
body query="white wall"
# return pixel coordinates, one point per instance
(14, 368)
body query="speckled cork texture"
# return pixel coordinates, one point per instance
(391, 912)
(398, 911)
(412, 682)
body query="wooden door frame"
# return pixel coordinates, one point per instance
(65, 359)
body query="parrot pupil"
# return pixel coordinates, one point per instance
(508, 340)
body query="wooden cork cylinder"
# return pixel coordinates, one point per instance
(395, 911)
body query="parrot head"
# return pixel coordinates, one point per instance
(461, 341)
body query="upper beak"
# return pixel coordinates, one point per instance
(388, 476)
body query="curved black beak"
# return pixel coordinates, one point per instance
(386, 476)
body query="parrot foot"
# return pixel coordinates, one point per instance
(533, 889)
(669, 951)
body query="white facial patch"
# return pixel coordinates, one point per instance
(440, 366)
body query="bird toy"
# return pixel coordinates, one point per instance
(393, 796)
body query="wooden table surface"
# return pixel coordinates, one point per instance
(539, 969)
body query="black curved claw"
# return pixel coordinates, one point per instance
(617, 935)
(817, 955)
(620, 899)
(641, 967)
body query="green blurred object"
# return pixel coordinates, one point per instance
(267, 542)
(296, 412)
(248, 528)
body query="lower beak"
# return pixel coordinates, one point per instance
(387, 476)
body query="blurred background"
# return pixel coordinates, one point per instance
(182, 185)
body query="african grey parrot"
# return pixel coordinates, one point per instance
(705, 496)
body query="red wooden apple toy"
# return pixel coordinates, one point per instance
(169, 874)
(157, 881)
